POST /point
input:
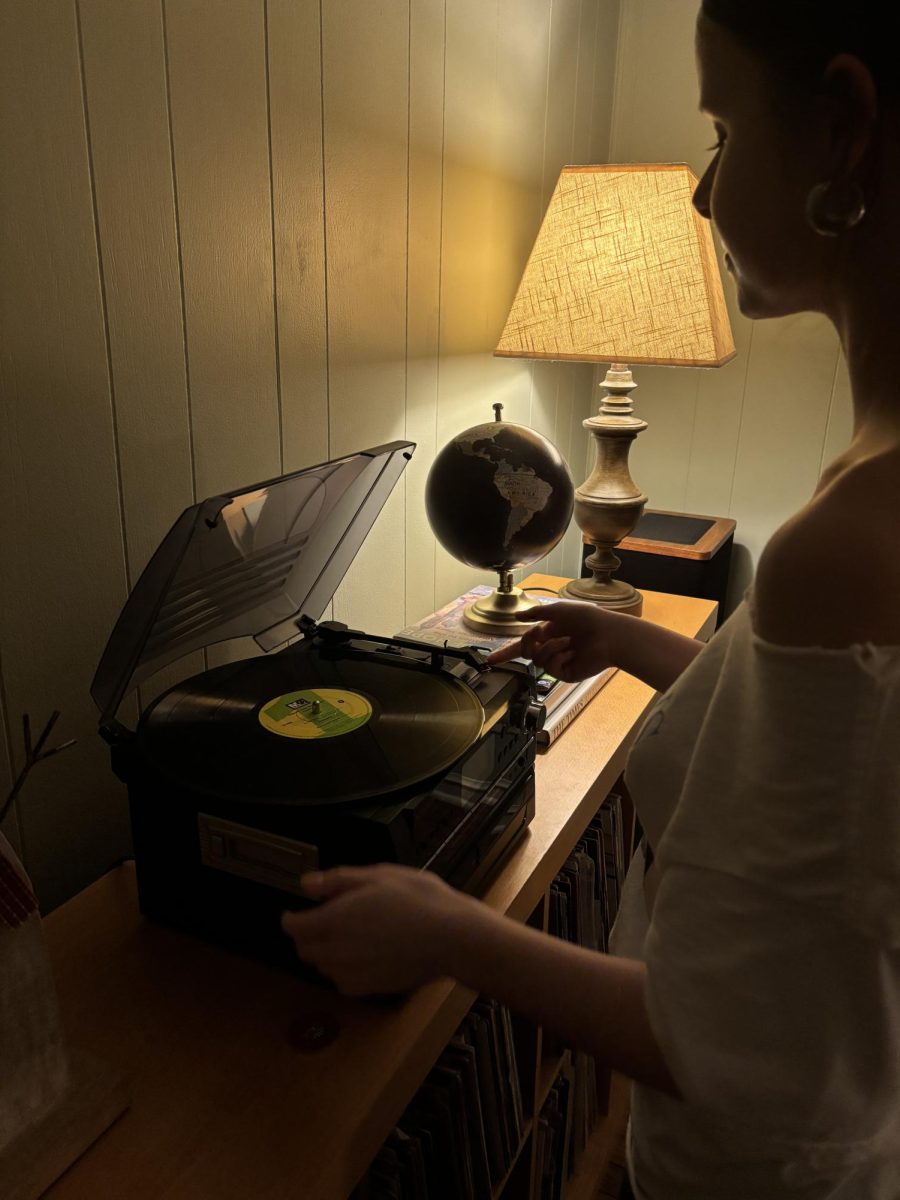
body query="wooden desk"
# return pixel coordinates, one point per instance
(227, 1104)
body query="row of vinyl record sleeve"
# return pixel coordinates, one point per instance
(584, 900)
(460, 1135)
(584, 896)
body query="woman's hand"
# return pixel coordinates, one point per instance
(381, 929)
(389, 929)
(570, 640)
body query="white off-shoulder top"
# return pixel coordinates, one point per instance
(767, 780)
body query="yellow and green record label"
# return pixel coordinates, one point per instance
(315, 713)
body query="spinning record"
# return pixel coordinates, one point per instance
(304, 728)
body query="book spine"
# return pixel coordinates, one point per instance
(568, 710)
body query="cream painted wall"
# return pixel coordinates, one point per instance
(750, 439)
(239, 237)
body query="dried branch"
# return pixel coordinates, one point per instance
(33, 754)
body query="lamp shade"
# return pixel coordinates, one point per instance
(623, 270)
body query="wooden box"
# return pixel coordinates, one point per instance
(683, 554)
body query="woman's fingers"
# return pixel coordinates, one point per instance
(522, 647)
(548, 649)
(304, 929)
(540, 649)
(506, 653)
(322, 885)
(560, 666)
(555, 610)
(307, 925)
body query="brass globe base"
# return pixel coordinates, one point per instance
(615, 594)
(498, 613)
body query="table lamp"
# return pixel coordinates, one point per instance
(623, 271)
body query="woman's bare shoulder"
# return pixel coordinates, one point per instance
(830, 576)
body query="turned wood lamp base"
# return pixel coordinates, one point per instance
(614, 594)
(608, 504)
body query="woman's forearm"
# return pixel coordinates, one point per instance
(592, 1001)
(655, 655)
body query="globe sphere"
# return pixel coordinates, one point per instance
(499, 496)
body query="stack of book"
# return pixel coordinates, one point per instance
(462, 1131)
(562, 701)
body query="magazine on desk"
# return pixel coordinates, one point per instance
(562, 701)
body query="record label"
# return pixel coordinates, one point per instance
(315, 713)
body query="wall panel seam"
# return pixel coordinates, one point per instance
(544, 189)
(178, 243)
(277, 336)
(117, 457)
(690, 460)
(613, 146)
(406, 301)
(574, 391)
(575, 81)
(13, 815)
(737, 444)
(594, 87)
(440, 293)
(325, 228)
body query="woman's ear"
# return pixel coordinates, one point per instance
(851, 99)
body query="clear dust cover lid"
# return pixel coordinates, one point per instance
(247, 563)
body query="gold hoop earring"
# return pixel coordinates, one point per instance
(833, 209)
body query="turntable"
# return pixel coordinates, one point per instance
(332, 746)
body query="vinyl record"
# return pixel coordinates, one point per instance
(298, 727)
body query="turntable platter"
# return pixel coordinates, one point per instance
(301, 727)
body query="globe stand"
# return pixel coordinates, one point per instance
(499, 613)
(499, 492)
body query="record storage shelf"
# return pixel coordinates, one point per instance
(230, 1096)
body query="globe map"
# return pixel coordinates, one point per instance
(499, 496)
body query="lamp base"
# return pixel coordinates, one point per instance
(499, 613)
(608, 503)
(614, 594)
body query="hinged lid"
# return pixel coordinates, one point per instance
(247, 564)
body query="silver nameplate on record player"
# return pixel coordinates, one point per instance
(254, 854)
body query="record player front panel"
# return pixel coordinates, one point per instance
(226, 871)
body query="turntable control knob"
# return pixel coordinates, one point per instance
(534, 717)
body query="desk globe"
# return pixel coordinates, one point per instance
(499, 496)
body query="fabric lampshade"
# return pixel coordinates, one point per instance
(623, 270)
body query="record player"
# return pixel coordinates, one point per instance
(326, 745)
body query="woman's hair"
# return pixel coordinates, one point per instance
(798, 38)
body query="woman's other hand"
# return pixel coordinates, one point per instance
(380, 929)
(570, 640)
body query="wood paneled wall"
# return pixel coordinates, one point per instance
(240, 237)
(750, 439)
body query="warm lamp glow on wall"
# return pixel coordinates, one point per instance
(623, 271)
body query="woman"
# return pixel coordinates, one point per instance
(759, 1010)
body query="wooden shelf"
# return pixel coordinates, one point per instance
(227, 1102)
(547, 1073)
(605, 1143)
(499, 1189)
